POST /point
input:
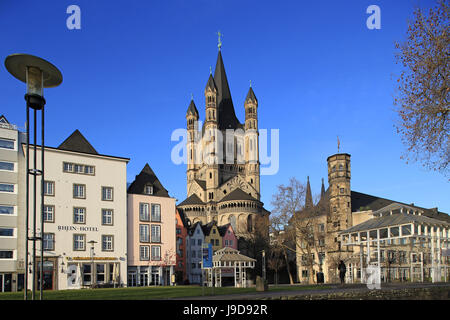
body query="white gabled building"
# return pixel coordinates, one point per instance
(194, 242)
(85, 216)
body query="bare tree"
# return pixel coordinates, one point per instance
(422, 98)
(275, 259)
(286, 202)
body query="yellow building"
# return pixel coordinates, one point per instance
(212, 235)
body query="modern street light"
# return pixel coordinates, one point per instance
(38, 74)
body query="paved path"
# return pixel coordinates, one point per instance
(325, 290)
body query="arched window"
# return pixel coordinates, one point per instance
(232, 221)
(249, 223)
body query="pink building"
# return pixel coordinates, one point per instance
(229, 238)
(151, 232)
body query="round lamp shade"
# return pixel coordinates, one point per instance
(17, 64)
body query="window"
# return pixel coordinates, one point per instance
(6, 144)
(342, 190)
(199, 242)
(321, 242)
(156, 213)
(144, 233)
(79, 242)
(156, 253)
(214, 231)
(79, 191)
(49, 213)
(7, 166)
(230, 243)
(6, 232)
(144, 252)
(67, 167)
(217, 242)
(144, 212)
(156, 233)
(49, 241)
(49, 188)
(193, 254)
(79, 215)
(321, 227)
(193, 265)
(78, 168)
(6, 210)
(107, 217)
(107, 193)
(107, 243)
(6, 187)
(100, 273)
(6, 254)
(226, 242)
(149, 188)
(178, 231)
(87, 271)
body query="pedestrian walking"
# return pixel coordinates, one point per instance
(342, 269)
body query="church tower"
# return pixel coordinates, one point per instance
(192, 131)
(252, 140)
(212, 146)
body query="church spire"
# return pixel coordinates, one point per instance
(322, 191)
(308, 198)
(227, 115)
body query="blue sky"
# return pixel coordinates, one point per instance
(317, 70)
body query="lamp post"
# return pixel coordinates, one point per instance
(264, 265)
(92, 242)
(38, 74)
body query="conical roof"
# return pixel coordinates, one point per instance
(251, 95)
(192, 109)
(308, 197)
(211, 84)
(227, 116)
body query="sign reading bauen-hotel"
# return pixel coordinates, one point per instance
(85, 235)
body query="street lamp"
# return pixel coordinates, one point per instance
(92, 242)
(264, 265)
(38, 74)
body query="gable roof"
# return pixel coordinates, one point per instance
(362, 201)
(191, 230)
(3, 119)
(208, 227)
(146, 177)
(223, 229)
(238, 194)
(191, 200)
(78, 143)
(201, 183)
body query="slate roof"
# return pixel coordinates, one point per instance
(201, 183)
(362, 201)
(191, 200)
(192, 109)
(207, 227)
(183, 218)
(230, 255)
(145, 177)
(238, 194)
(223, 229)
(78, 143)
(193, 227)
(251, 95)
(394, 220)
(211, 84)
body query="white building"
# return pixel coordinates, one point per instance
(85, 216)
(12, 237)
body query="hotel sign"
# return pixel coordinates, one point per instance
(77, 228)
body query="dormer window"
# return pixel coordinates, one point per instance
(148, 189)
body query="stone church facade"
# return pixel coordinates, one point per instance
(223, 168)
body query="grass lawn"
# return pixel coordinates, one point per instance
(145, 293)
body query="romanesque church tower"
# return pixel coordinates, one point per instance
(223, 168)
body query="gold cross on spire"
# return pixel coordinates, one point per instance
(219, 44)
